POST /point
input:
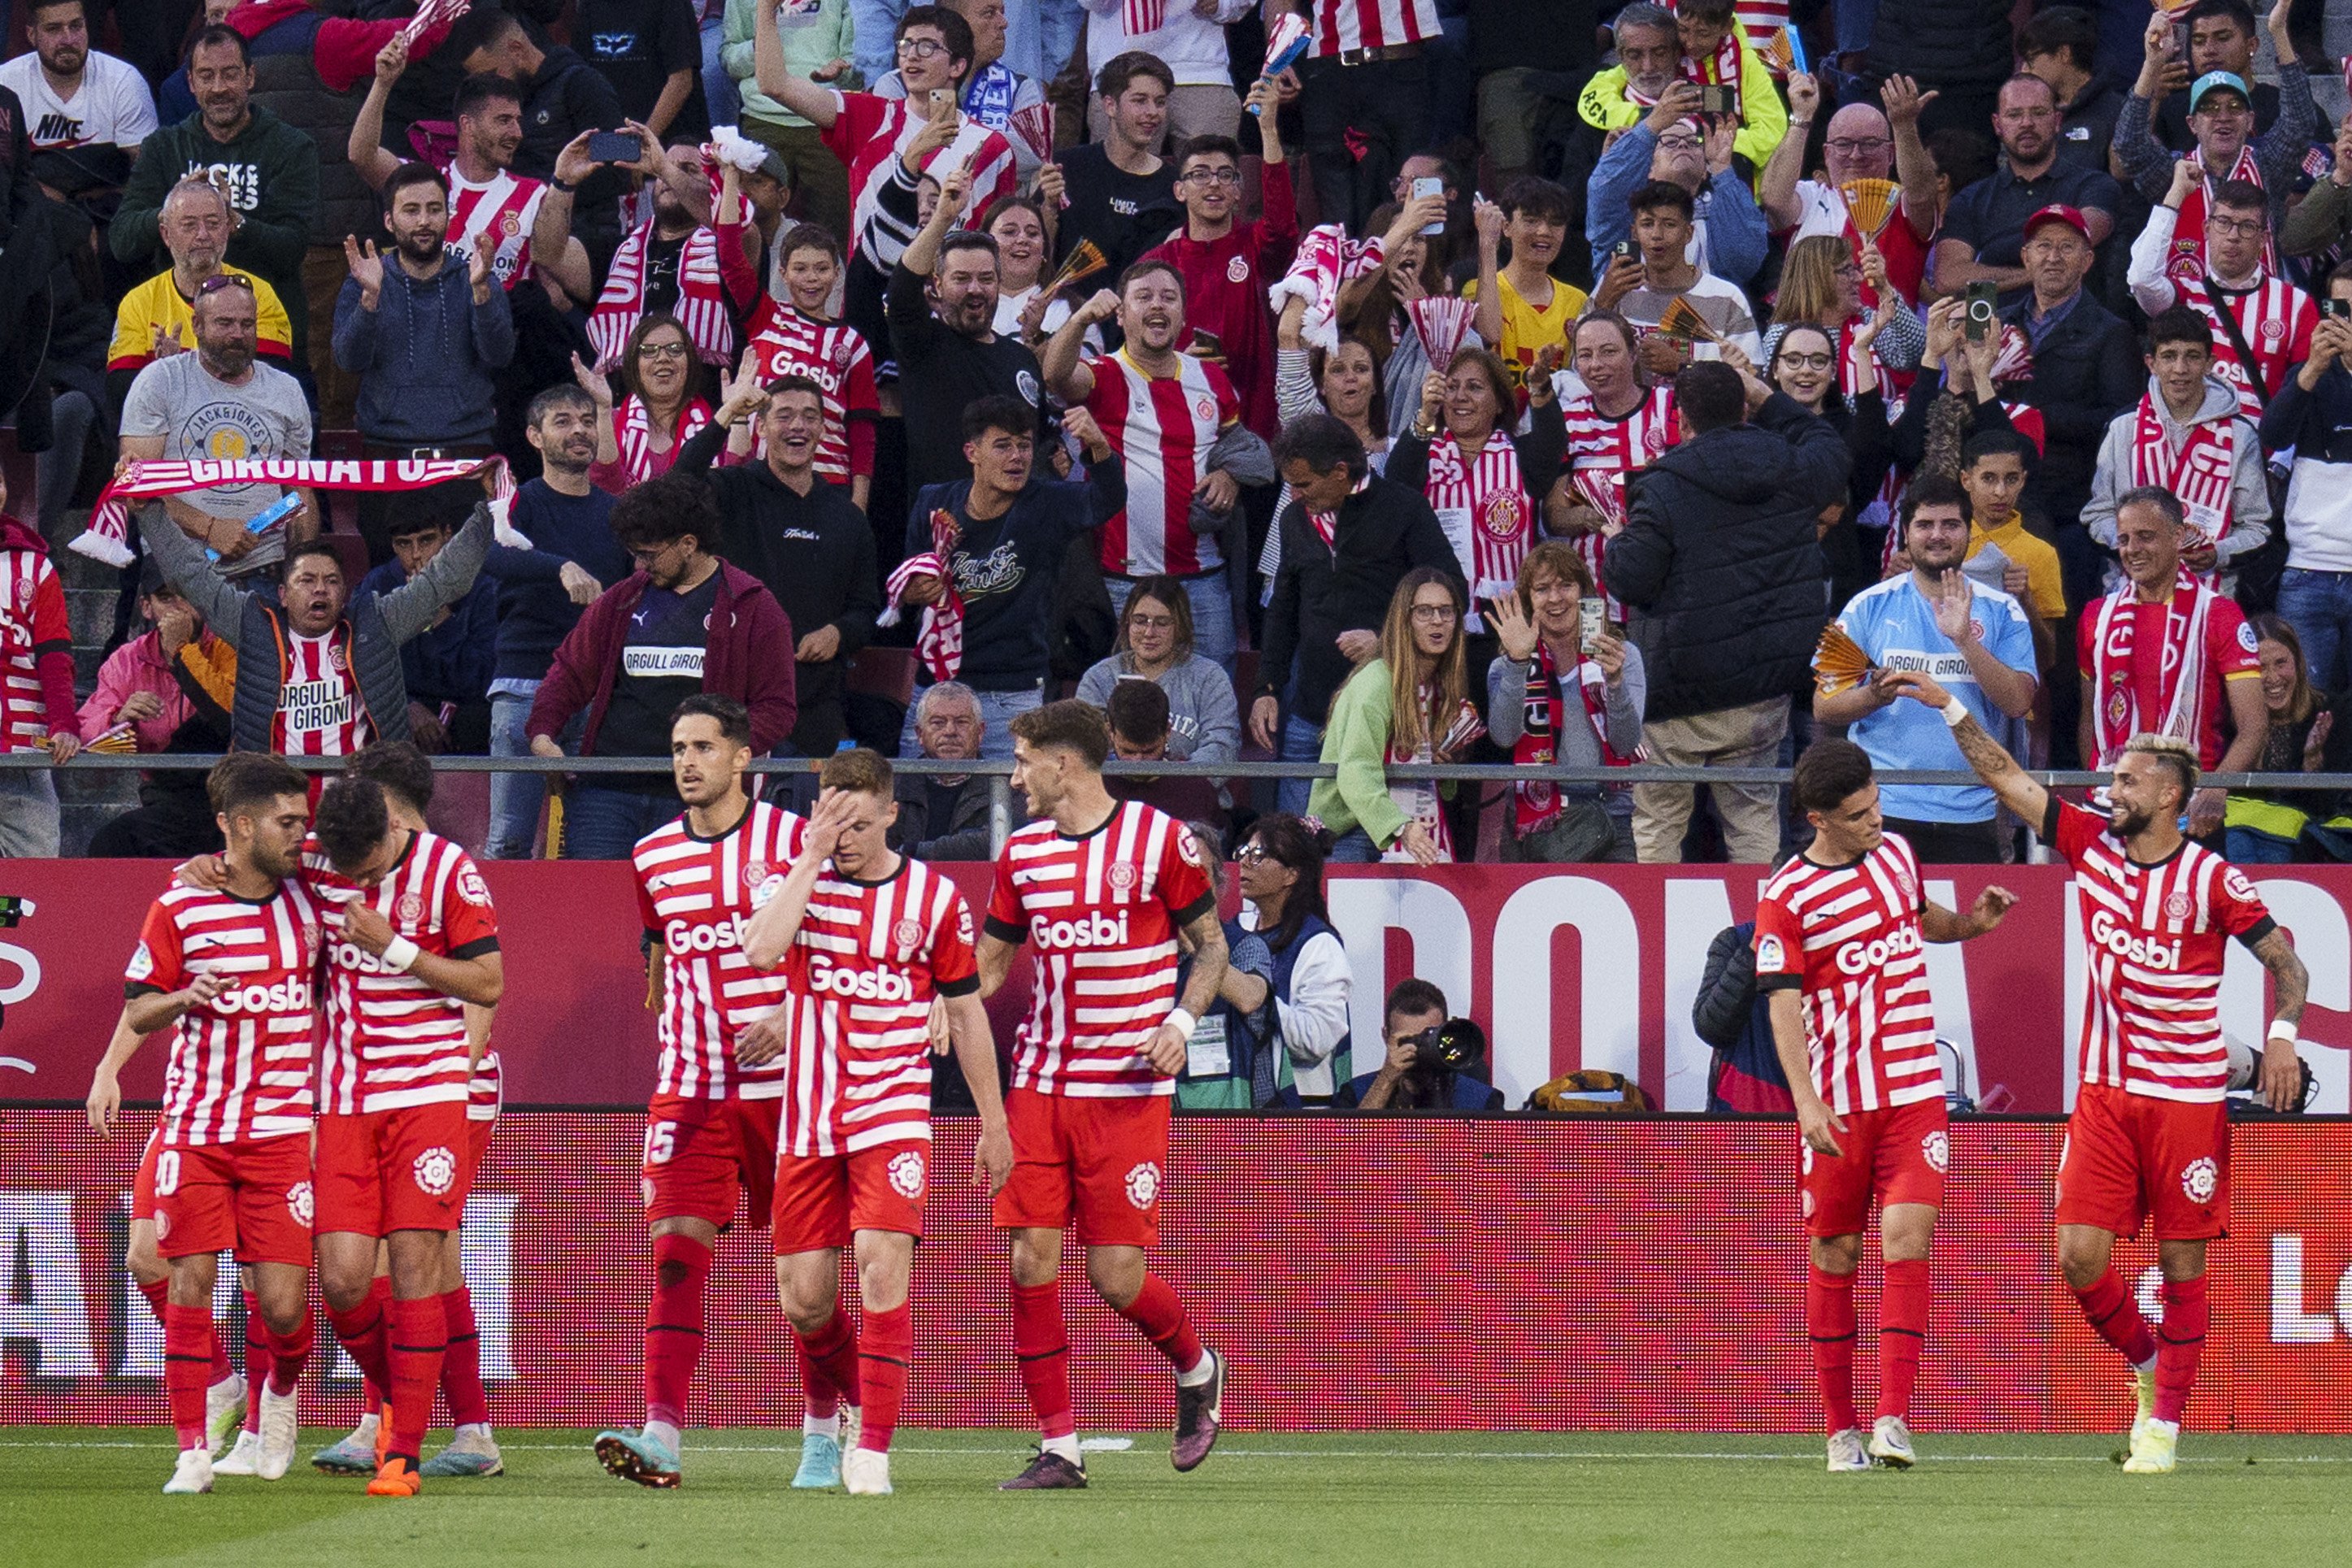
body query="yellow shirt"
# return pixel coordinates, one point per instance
(1526, 329)
(158, 302)
(2045, 591)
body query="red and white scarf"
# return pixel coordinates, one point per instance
(2180, 680)
(1418, 798)
(1482, 503)
(1327, 259)
(701, 299)
(2198, 473)
(1139, 17)
(2188, 257)
(634, 430)
(939, 639)
(1601, 451)
(108, 537)
(1538, 799)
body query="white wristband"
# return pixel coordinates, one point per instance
(1183, 1023)
(2281, 1029)
(400, 954)
(1956, 713)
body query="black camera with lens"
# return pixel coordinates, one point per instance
(1457, 1045)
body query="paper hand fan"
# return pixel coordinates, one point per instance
(1033, 126)
(944, 533)
(1286, 41)
(1872, 202)
(119, 740)
(1839, 663)
(1082, 264)
(1442, 322)
(1778, 54)
(1683, 321)
(1466, 727)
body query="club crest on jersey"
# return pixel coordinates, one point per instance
(1937, 1147)
(2177, 906)
(1123, 876)
(1502, 516)
(298, 1203)
(1237, 269)
(1904, 883)
(2273, 330)
(907, 933)
(755, 873)
(2200, 1179)
(1206, 409)
(336, 658)
(1143, 1185)
(410, 908)
(512, 223)
(435, 1171)
(907, 1174)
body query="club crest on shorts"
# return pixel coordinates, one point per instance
(1143, 1185)
(1937, 1147)
(298, 1203)
(2200, 1179)
(907, 1174)
(410, 908)
(163, 1223)
(1123, 876)
(435, 1171)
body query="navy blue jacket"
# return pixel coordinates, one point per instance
(534, 612)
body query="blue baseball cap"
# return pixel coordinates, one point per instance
(2212, 80)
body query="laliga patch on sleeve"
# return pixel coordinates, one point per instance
(963, 925)
(1768, 954)
(2234, 883)
(142, 964)
(2246, 638)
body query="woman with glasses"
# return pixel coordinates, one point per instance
(1398, 707)
(1155, 644)
(1281, 870)
(1804, 364)
(659, 412)
(1821, 286)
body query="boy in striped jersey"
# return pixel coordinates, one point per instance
(1838, 949)
(1106, 890)
(867, 939)
(2150, 1138)
(710, 1129)
(232, 968)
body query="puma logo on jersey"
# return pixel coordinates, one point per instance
(1097, 930)
(2142, 950)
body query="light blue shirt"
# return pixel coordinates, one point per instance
(1895, 624)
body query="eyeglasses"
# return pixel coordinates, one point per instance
(1807, 361)
(2245, 228)
(1851, 146)
(1152, 622)
(1213, 176)
(921, 48)
(661, 350)
(1680, 144)
(1434, 614)
(645, 555)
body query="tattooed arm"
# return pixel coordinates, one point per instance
(2009, 783)
(2281, 1073)
(1206, 939)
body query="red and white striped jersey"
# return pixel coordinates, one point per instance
(1483, 505)
(392, 1040)
(868, 133)
(1102, 911)
(695, 897)
(860, 976)
(1161, 428)
(240, 1065)
(32, 622)
(319, 708)
(1849, 935)
(833, 354)
(2152, 947)
(1760, 20)
(486, 1091)
(2276, 317)
(1370, 24)
(498, 212)
(1602, 450)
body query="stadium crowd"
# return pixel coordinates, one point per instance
(894, 370)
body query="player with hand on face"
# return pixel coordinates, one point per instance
(1838, 951)
(2148, 1141)
(710, 1129)
(869, 942)
(1105, 889)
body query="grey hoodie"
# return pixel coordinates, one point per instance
(425, 355)
(1203, 718)
(2249, 496)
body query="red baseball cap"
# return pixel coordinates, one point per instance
(2059, 213)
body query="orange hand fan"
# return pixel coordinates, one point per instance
(1682, 319)
(1872, 202)
(1839, 663)
(1083, 264)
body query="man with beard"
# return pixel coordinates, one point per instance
(1985, 231)
(943, 332)
(560, 95)
(686, 261)
(89, 111)
(221, 405)
(1862, 144)
(425, 336)
(1977, 641)
(268, 169)
(153, 319)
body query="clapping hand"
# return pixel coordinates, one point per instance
(366, 267)
(593, 380)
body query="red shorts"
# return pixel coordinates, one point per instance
(823, 1199)
(1898, 1153)
(1099, 1162)
(704, 1156)
(2133, 1157)
(142, 1186)
(382, 1171)
(478, 1148)
(253, 1195)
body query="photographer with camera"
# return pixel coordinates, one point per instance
(1434, 1062)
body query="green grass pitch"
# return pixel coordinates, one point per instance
(75, 1496)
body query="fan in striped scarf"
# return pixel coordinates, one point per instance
(1683, 321)
(1870, 203)
(938, 638)
(119, 741)
(1839, 663)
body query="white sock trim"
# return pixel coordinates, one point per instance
(1198, 1373)
(1067, 1447)
(821, 1426)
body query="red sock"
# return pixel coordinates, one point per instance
(1042, 1344)
(419, 1337)
(221, 1364)
(187, 1365)
(2112, 1313)
(2179, 1341)
(1160, 1316)
(674, 1324)
(819, 1397)
(884, 1357)
(289, 1353)
(834, 1349)
(361, 1329)
(1828, 1319)
(156, 1290)
(259, 1363)
(1902, 1335)
(461, 1369)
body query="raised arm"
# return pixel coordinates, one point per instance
(813, 103)
(366, 147)
(2008, 782)
(770, 935)
(184, 566)
(1776, 182)
(1937, 924)
(1065, 375)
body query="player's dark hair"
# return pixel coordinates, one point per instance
(954, 31)
(1137, 710)
(665, 508)
(1208, 144)
(2062, 29)
(481, 88)
(1829, 772)
(400, 767)
(1070, 725)
(734, 720)
(1323, 443)
(1928, 489)
(2242, 196)
(998, 410)
(1533, 196)
(351, 820)
(1289, 841)
(860, 770)
(243, 779)
(1119, 71)
(1986, 444)
(1145, 268)
(1660, 193)
(2182, 324)
(1414, 995)
(413, 173)
(563, 394)
(308, 547)
(219, 36)
(1710, 396)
